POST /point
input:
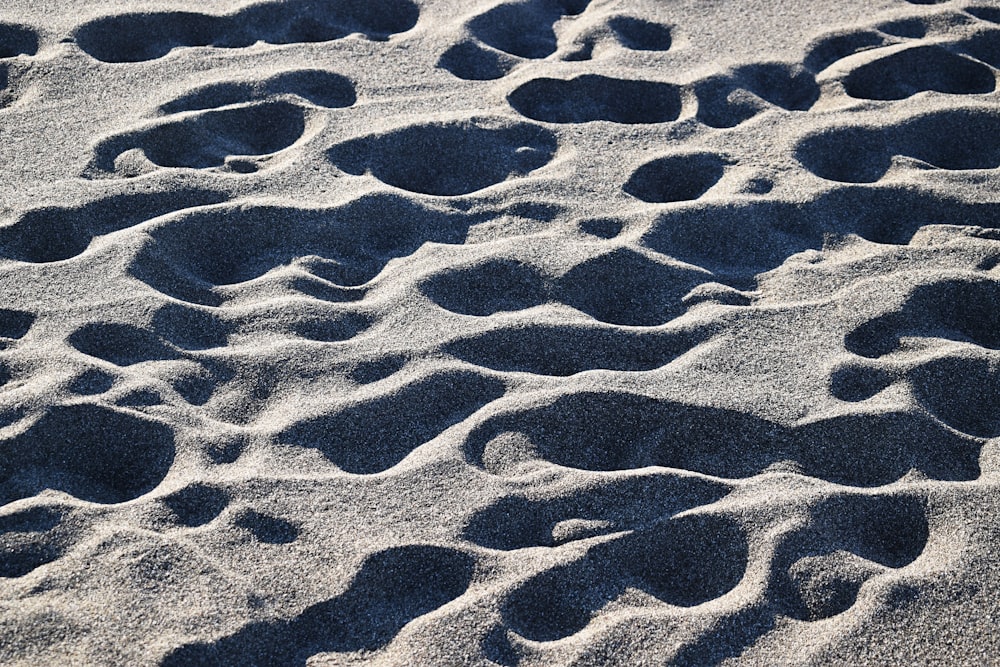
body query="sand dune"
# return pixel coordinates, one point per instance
(510, 332)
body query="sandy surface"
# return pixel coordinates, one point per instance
(538, 332)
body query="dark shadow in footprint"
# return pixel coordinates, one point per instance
(640, 35)
(565, 350)
(911, 28)
(683, 561)
(962, 310)
(676, 177)
(17, 40)
(604, 228)
(622, 431)
(609, 506)
(848, 540)
(52, 234)
(29, 538)
(591, 97)
(196, 504)
(523, 28)
(473, 61)
(136, 37)
(447, 159)
(858, 383)
(192, 256)
(737, 240)
(321, 87)
(121, 344)
(628, 288)
(376, 434)
(962, 392)
(846, 154)
(856, 154)
(206, 139)
(267, 529)
(991, 14)
(491, 286)
(14, 324)
(984, 46)
(113, 456)
(91, 382)
(836, 46)
(392, 588)
(728, 100)
(917, 69)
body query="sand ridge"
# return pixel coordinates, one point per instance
(510, 332)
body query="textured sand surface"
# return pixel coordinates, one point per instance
(511, 332)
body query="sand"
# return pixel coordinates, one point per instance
(501, 332)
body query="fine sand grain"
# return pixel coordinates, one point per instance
(500, 332)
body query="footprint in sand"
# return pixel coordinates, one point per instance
(849, 540)
(504, 36)
(230, 126)
(563, 600)
(614, 431)
(863, 154)
(959, 386)
(391, 588)
(137, 37)
(446, 158)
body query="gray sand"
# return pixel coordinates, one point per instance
(537, 332)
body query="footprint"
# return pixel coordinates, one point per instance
(91, 382)
(849, 540)
(196, 504)
(590, 97)
(991, 14)
(524, 28)
(114, 455)
(641, 35)
(204, 140)
(855, 154)
(136, 37)
(172, 331)
(604, 228)
(602, 508)
(962, 392)
(122, 344)
(14, 325)
(375, 434)
(474, 61)
(916, 69)
(570, 349)
(619, 287)
(53, 234)
(909, 28)
(317, 86)
(674, 178)
(198, 259)
(606, 432)
(447, 158)
(729, 99)
(392, 588)
(838, 45)
(983, 46)
(505, 35)
(628, 288)
(855, 383)
(961, 310)
(684, 561)
(265, 528)
(28, 540)
(492, 286)
(16, 40)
